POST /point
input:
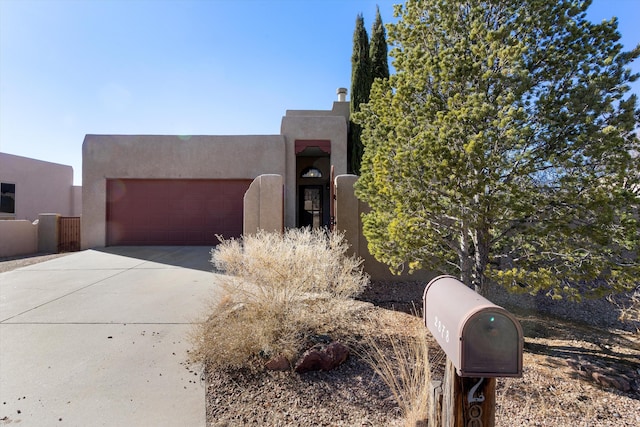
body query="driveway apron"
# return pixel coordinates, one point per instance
(100, 338)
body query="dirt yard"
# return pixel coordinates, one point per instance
(576, 373)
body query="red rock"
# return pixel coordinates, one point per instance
(322, 358)
(279, 363)
(611, 381)
(338, 353)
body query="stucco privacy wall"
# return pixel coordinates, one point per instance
(349, 212)
(167, 157)
(48, 233)
(18, 238)
(263, 205)
(312, 125)
(40, 186)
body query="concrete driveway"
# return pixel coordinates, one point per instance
(99, 338)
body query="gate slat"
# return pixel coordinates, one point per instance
(68, 234)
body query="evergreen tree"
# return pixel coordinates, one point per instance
(378, 49)
(361, 79)
(503, 148)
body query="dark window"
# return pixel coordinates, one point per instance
(8, 198)
(310, 206)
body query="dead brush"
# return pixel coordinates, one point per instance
(402, 362)
(277, 291)
(298, 261)
(628, 308)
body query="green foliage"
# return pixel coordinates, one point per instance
(360, 66)
(503, 147)
(368, 62)
(378, 50)
(361, 79)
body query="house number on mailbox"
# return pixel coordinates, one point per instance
(442, 329)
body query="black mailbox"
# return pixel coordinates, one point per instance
(479, 337)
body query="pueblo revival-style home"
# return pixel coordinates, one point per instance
(140, 190)
(185, 190)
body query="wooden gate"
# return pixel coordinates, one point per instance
(68, 233)
(332, 199)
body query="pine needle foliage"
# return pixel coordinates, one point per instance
(503, 148)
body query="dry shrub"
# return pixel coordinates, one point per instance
(631, 311)
(402, 361)
(628, 307)
(298, 261)
(279, 290)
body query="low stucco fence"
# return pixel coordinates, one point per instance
(22, 237)
(18, 237)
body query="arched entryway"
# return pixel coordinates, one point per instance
(313, 170)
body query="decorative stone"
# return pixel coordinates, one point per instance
(321, 357)
(605, 376)
(279, 363)
(611, 381)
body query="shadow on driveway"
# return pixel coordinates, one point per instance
(192, 257)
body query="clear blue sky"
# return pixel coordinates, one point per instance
(185, 67)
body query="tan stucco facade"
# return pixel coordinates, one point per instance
(313, 125)
(263, 207)
(210, 157)
(40, 187)
(18, 237)
(167, 157)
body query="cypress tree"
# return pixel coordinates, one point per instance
(361, 79)
(378, 49)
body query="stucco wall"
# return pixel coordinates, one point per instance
(263, 205)
(48, 233)
(338, 109)
(168, 157)
(349, 212)
(18, 238)
(76, 200)
(40, 186)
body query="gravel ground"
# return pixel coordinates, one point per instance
(11, 263)
(349, 396)
(556, 388)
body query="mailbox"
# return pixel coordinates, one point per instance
(479, 337)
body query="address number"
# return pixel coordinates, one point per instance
(442, 329)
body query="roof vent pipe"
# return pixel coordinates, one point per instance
(342, 94)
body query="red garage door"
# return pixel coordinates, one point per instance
(173, 212)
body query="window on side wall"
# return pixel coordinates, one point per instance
(7, 198)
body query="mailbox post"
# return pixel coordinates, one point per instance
(482, 341)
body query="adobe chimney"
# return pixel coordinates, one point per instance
(342, 94)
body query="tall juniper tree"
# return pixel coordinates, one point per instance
(378, 49)
(503, 147)
(361, 79)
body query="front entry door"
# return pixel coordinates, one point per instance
(310, 209)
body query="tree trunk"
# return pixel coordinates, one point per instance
(481, 259)
(466, 261)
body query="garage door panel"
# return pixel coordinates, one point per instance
(173, 212)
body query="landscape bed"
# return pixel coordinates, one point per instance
(557, 387)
